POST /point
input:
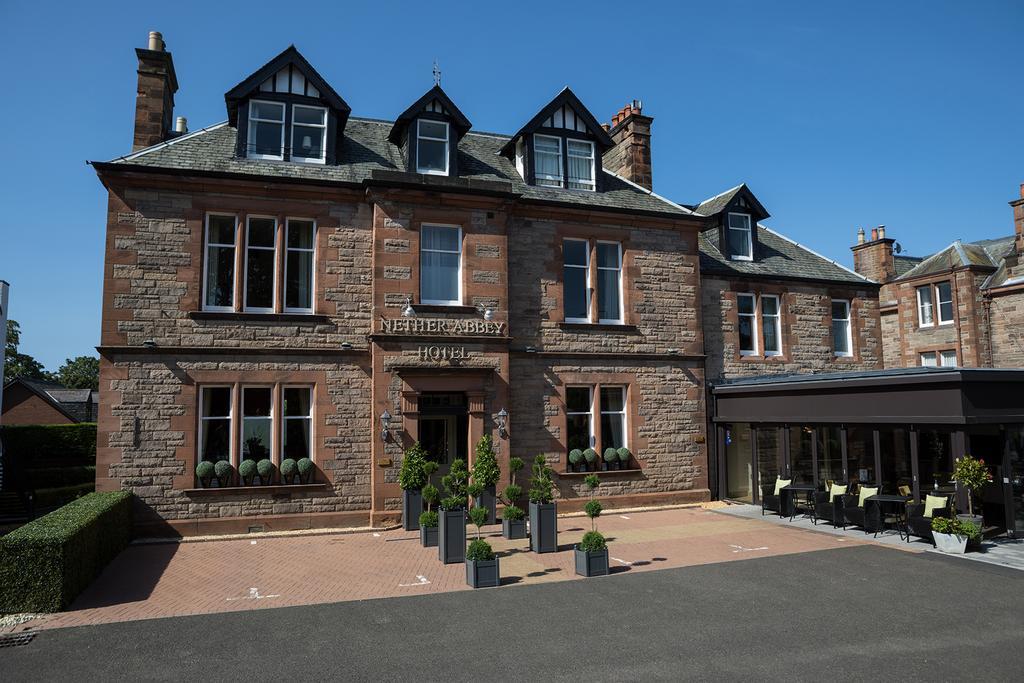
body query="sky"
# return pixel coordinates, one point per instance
(836, 114)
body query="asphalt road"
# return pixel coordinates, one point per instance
(858, 613)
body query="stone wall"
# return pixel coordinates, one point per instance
(1006, 320)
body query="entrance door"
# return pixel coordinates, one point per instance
(437, 436)
(444, 429)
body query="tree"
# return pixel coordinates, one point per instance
(82, 372)
(20, 364)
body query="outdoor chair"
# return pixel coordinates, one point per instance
(920, 516)
(771, 499)
(828, 505)
(857, 512)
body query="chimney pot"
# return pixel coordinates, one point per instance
(181, 125)
(606, 127)
(874, 234)
(156, 41)
(860, 235)
(881, 232)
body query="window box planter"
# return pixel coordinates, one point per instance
(412, 506)
(592, 563)
(950, 543)
(483, 573)
(451, 536)
(543, 527)
(428, 536)
(489, 501)
(513, 529)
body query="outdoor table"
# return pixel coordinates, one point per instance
(788, 493)
(883, 499)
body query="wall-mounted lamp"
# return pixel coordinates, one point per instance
(149, 344)
(485, 311)
(530, 349)
(408, 311)
(346, 346)
(502, 419)
(385, 421)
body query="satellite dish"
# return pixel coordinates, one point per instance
(898, 248)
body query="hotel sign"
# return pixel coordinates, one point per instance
(439, 353)
(443, 327)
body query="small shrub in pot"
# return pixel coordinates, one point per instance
(451, 530)
(247, 471)
(590, 455)
(306, 470)
(428, 520)
(591, 553)
(481, 564)
(204, 472)
(265, 469)
(224, 472)
(289, 470)
(611, 458)
(543, 510)
(575, 459)
(624, 456)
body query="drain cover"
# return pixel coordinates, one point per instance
(16, 639)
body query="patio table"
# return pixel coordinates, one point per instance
(883, 499)
(788, 493)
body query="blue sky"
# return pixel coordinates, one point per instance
(836, 114)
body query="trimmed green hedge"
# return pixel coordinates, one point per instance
(40, 445)
(45, 564)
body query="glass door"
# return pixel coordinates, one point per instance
(739, 462)
(1015, 472)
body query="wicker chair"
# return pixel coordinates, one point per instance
(868, 517)
(830, 510)
(769, 501)
(921, 526)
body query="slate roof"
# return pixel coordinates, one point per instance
(713, 205)
(905, 263)
(775, 256)
(959, 254)
(365, 150)
(78, 404)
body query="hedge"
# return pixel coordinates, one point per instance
(43, 445)
(52, 477)
(59, 495)
(45, 564)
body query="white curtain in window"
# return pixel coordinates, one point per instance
(439, 264)
(581, 165)
(548, 152)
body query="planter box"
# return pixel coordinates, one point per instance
(451, 536)
(483, 573)
(489, 502)
(949, 543)
(412, 506)
(593, 563)
(513, 529)
(428, 536)
(543, 527)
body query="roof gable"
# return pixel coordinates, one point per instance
(288, 73)
(434, 101)
(738, 197)
(568, 112)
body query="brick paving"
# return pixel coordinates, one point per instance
(176, 579)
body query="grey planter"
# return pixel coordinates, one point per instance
(451, 536)
(428, 536)
(483, 573)
(543, 527)
(593, 563)
(412, 506)
(488, 501)
(513, 529)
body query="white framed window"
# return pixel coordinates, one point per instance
(215, 417)
(741, 243)
(925, 316)
(842, 342)
(580, 154)
(609, 282)
(944, 295)
(297, 418)
(613, 417)
(579, 414)
(266, 130)
(929, 360)
(257, 423)
(746, 312)
(299, 257)
(219, 266)
(576, 280)
(547, 156)
(947, 359)
(309, 134)
(431, 147)
(771, 322)
(260, 264)
(441, 264)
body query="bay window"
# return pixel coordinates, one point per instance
(842, 344)
(944, 295)
(309, 134)
(924, 306)
(266, 130)
(596, 417)
(740, 239)
(935, 303)
(547, 153)
(576, 280)
(440, 264)
(432, 147)
(219, 280)
(581, 164)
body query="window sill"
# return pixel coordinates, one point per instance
(444, 308)
(581, 475)
(259, 317)
(599, 327)
(273, 488)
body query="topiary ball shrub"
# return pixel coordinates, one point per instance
(429, 519)
(624, 454)
(611, 455)
(265, 468)
(247, 470)
(223, 470)
(289, 468)
(453, 503)
(575, 456)
(590, 455)
(514, 513)
(204, 470)
(480, 551)
(593, 508)
(306, 468)
(593, 541)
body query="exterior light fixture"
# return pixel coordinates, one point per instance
(385, 421)
(530, 349)
(149, 344)
(485, 311)
(502, 420)
(673, 351)
(408, 311)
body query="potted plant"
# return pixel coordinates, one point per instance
(486, 473)
(247, 471)
(289, 471)
(265, 469)
(971, 474)
(951, 534)
(611, 459)
(576, 459)
(306, 470)
(513, 517)
(624, 456)
(451, 528)
(592, 551)
(590, 455)
(543, 511)
(411, 478)
(429, 518)
(204, 473)
(224, 472)
(481, 564)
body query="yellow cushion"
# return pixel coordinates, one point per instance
(933, 503)
(836, 490)
(865, 493)
(779, 483)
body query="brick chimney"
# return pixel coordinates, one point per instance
(631, 155)
(873, 258)
(154, 103)
(1018, 222)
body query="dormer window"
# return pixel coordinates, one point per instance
(547, 151)
(581, 164)
(309, 134)
(741, 245)
(431, 147)
(266, 130)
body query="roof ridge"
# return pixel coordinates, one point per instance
(720, 194)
